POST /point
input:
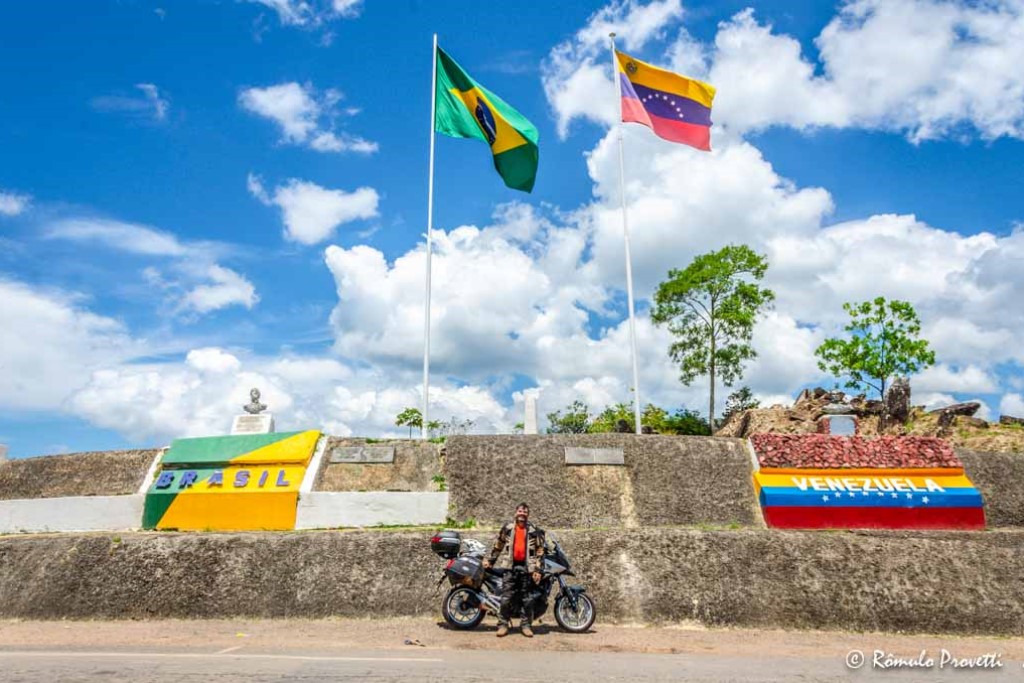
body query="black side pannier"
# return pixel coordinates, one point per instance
(446, 544)
(466, 571)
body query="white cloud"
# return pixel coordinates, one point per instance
(970, 379)
(212, 359)
(575, 74)
(305, 117)
(13, 203)
(932, 400)
(51, 345)
(1012, 404)
(150, 105)
(130, 237)
(312, 213)
(549, 278)
(228, 288)
(312, 13)
(198, 283)
(347, 8)
(159, 104)
(201, 395)
(925, 68)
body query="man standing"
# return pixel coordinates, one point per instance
(525, 543)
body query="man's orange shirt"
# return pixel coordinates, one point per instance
(519, 544)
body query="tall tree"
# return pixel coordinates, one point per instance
(710, 308)
(411, 417)
(884, 343)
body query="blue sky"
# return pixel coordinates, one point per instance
(152, 153)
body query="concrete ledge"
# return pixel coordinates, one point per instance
(923, 582)
(77, 513)
(329, 510)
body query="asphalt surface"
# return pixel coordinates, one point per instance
(416, 650)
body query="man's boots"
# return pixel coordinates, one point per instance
(526, 629)
(502, 630)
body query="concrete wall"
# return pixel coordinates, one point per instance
(101, 473)
(325, 510)
(938, 582)
(666, 480)
(1000, 478)
(415, 466)
(76, 513)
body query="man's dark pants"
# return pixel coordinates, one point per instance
(517, 592)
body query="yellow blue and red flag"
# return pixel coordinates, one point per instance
(675, 107)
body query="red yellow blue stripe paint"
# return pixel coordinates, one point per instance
(869, 498)
(236, 483)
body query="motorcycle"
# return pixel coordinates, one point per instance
(475, 591)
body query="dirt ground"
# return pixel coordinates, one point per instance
(417, 634)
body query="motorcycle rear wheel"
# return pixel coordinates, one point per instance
(461, 609)
(579, 620)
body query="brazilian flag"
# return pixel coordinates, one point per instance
(466, 109)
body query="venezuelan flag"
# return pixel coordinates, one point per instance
(466, 109)
(676, 108)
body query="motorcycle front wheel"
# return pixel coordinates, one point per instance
(579, 620)
(461, 609)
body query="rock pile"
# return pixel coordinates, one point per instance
(956, 422)
(821, 451)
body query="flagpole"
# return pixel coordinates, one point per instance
(625, 233)
(430, 227)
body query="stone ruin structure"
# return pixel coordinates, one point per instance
(893, 416)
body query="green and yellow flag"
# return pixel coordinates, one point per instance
(466, 109)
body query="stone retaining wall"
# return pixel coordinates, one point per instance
(100, 473)
(1000, 478)
(938, 582)
(665, 480)
(414, 469)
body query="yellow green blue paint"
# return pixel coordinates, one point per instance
(230, 483)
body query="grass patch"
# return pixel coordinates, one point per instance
(453, 524)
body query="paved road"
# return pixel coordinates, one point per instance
(183, 651)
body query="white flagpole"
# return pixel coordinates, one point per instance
(424, 433)
(625, 232)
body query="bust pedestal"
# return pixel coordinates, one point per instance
(253, 424)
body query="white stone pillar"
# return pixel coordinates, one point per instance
(530, 419)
